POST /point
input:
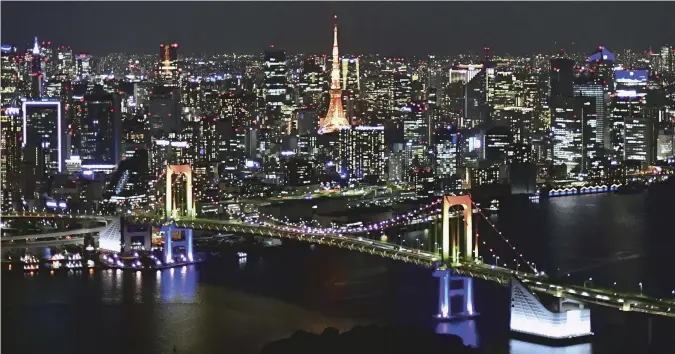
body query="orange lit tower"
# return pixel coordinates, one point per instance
(335, 118)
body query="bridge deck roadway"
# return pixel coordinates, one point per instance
(54, 234)
(101, 218)
(537, 283)
(48, 243)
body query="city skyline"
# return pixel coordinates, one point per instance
(365, 27)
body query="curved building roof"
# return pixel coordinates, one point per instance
(602, 54)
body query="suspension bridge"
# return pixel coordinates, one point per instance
(453, 257)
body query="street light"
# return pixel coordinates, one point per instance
(640, 284)
(589, 279)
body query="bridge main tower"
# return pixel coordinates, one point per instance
(456, 248)
(451, 245)
(171, 211)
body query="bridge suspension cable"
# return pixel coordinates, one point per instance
(379, 225)
(499, 233)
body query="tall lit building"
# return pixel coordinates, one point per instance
(566, 127)
(496, 145)
(601, 65)
(351, 83)
(667, 55)
(83, 68)
(10, 157)
(164, 111)
(415, 131)
(168, 72)
(402, 87)
(335, 118)
(9, 76)
(37, 73)
(298, 172)
(65, 62)
(447, 153)
(592, 88)
(631, 130)
(362, 152)
(275, 86)
(100, 129)
(45, 147)
(312, 82)
(351, 80)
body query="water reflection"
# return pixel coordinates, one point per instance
(177, 285)
(520, 347)
(463, 329)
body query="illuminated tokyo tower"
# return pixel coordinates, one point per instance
(335, 118)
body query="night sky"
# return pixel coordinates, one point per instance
(389, 28)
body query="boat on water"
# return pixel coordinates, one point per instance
(493, 208)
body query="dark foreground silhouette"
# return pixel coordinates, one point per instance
(370, 340)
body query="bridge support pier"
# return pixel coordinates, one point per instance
(184, 240)
(446, 293)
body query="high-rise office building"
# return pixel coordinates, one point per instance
(590, 87)
(561, 78)
(275, 87)
(10, 157)
(298, 172)
(83, 66)
(100, 129)
(601, 65)
(631, 130)
(168, 71)
(44, 142)
(667, 55)
(447, 152)
(402, 87)
(164, 111)
(496, 145)
(351, 84)
(415, 132)
(566, 127)
(65, 62)
(312, 82)
(10, 78)
(37, 73)
(362, 152)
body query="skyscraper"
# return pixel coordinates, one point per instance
(275, 86)
(335, 118)
(9, 90)
(592, 88)
(10, 157)
(312, 81)
(561, 77)
(362, 152)
(83, 69)
(101, 129)
(168, 72)
(631, 129)
(37, 73)
(415, 132)
(65, 63)
(601, 65)
(44, 143)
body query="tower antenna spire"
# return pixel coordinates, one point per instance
(335, 118)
